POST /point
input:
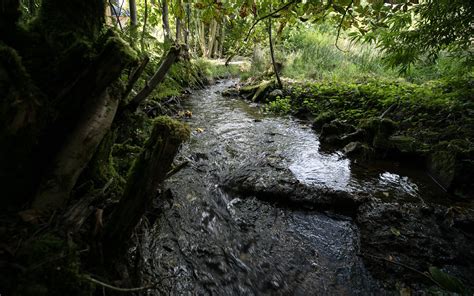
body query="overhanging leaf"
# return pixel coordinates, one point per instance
(446, 281)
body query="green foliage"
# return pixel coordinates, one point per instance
(216, 69)
(409, 32)
(280, 105)
(53, 268)
(438, 106)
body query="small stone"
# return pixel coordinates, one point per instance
(276, 93)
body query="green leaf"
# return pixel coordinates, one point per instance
(446, 281)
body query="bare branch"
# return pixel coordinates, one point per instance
(340, 25)
(267, 16)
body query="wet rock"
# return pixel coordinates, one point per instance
(230, 92)
(358, 150)
(270, 180)
(378, 130)
(332, 132)
(322, 119)
(414, 234)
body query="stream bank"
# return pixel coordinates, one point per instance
(430, 124)
(262, 210)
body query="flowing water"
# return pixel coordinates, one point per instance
(207, 241)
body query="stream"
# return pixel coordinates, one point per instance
(208, 240)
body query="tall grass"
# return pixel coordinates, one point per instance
(310, 53)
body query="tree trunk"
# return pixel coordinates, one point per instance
(148, 174)
(133, 12)
(202, 39)
(137, 72)
(275, 68)
(156, 79)
(188, 24)
(166, 22)
(212, 39)
(145, 19)
(95, 120)
(221, 41)
(178, 30)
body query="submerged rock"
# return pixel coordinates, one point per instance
(270, 180)
(230, 92)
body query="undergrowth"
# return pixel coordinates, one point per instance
(435, 111)
(310, 54)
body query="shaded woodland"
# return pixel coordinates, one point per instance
(92, 120)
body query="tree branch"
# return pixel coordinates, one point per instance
(105, 285)
(267, 16)
(134, 77)
(157, 78)
(340, 25)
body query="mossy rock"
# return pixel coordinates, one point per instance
(409, 145)
(377, 131)
(230, 92)
(263, 89)
(453, 168)
(359, 151)
(331, 133)
(322, 119)
(257, 93)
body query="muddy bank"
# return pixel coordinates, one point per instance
(262, 210)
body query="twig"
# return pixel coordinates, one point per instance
(117, 15)
(267, 16)
(389, 109)
(340, 25)
(134, 77)
(105, 285)
(142, 42)
(404, 266)
(177, 168)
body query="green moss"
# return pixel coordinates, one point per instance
(53, 268)
(323, 118)
(123, 157)
(262, 89)
(378, 130)
(124, 50)
(178, 130)
(280, 105)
